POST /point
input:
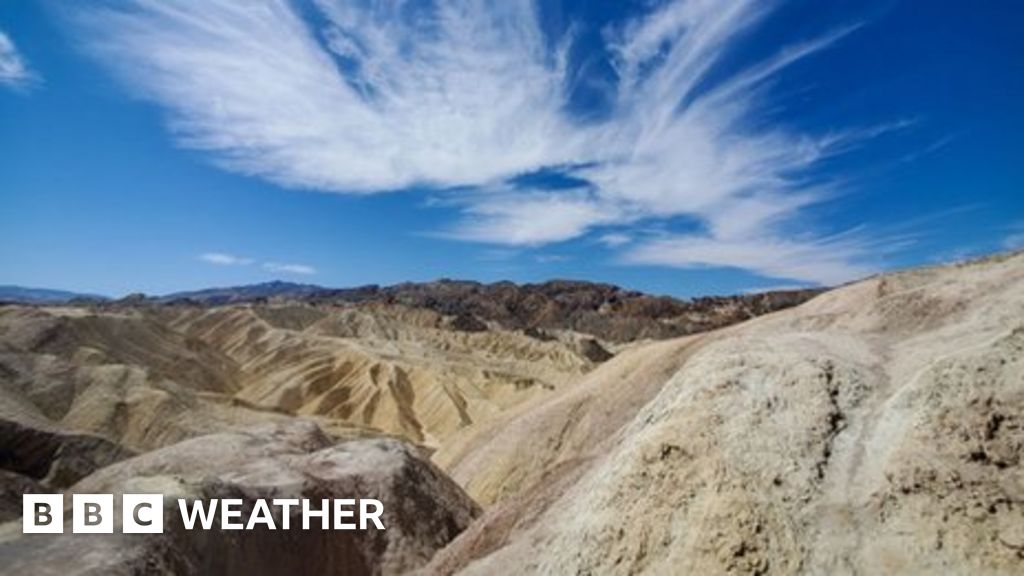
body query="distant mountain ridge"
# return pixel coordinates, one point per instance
(604, 310)
(246, 293)
(26, 295)
(609, 312)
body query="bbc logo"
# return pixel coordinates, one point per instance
(92, 513)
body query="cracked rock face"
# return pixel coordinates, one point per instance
(423, 509)
(876, 429)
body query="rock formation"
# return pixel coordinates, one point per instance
(602, 310)
(876, 429)
(148, 376)
(423, 509)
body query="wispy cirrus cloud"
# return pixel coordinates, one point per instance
(615, 239)
(826, 261)
(226, 259)
(365, 97)
(14, 72)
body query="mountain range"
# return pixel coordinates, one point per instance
(602, 310)
(24, 295)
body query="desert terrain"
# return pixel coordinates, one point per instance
(564, 428)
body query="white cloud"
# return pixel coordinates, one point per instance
(380, 96)
(463, 98)
(827, 261)
(224, 259)
(615, 239)
(529, 218)
(300, 269)
(550, 258)
(14, 72)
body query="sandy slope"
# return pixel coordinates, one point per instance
(151, 376)
(499, 457)
(391, 370)
(876, 429)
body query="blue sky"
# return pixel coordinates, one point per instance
(682, 147)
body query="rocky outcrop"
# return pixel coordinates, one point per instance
(605, 311)
(602, 310)
(875, 429)
(423, 509)
(57, 459)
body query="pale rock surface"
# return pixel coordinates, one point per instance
(423, 509)
(877, 429)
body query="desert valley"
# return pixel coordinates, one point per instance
(560, 428)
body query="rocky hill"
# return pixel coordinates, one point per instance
(423, 509)
(605, 311)
(608, 312)
(242, 294)
(602, 310)
(876, 429)
(23, 295)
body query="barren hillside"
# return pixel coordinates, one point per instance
(149, 376)
(876, 429)
(608, 312)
